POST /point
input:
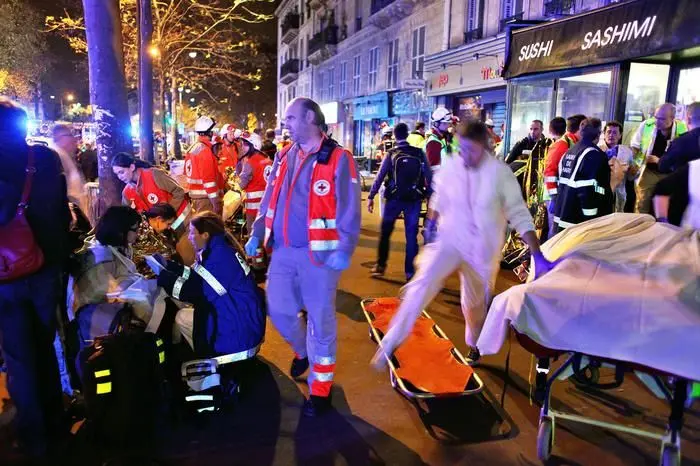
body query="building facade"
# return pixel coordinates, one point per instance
(372, 63)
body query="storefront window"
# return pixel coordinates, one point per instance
(688, 90)
(531, 100)
(586, 94)
(646, 90)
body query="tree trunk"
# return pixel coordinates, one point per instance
(145, 81)
(107, 93)
(163, 112)
(173, 112)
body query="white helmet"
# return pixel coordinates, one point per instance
(237, 133)
(387, 130)
(204, 124)
(225, 128)
(441, 115)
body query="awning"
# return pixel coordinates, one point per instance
(620, 32)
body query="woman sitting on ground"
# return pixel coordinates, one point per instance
(229, 312)
(161, 218)
(103, 268)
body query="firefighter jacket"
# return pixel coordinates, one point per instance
(584, 186)
(229, 311)
(154, 186)
(311, 200)
(202, 171)
(253, 179)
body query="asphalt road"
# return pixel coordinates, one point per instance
(373, 424)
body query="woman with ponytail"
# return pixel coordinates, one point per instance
(147, 186)
(229, 313)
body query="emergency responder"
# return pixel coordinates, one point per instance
(228, 156)
(201, 168)
(255, 170)
(417, 136)
(475, 197)
(687, 147)
(649, 144)
(310, 216)
(584, 181)
(408, 182)
(161, 217)
(437, 140)
(147, 186)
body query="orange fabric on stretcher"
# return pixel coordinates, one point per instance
(424, 358)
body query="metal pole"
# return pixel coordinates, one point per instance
(146, 54)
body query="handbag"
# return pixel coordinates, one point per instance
(20, 255)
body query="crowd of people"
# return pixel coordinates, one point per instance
(302, 208)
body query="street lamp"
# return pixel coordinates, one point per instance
(193, 54)
(52, 97)
(70, 97)
(153, 51)
(192, 99)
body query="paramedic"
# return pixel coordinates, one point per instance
(229, 309)
(417, 136)
(147, 186)
(649, 144)
(475, 196)
(584, 181)
(255, 170)
(228, 155)
(438, 140)
(310, 217)
(161, 217)
(408, 182)
(202, 171)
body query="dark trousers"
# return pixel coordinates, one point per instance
(411, 217)
(28, 319)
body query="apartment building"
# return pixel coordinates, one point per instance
(369, 62)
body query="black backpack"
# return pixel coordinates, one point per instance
(124, 388)
(408, 177)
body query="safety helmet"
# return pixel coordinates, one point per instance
(204, 124)
(441, 115)
(489, 123)
(386, 130)
(225, 129)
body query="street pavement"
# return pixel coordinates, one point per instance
(373, 425)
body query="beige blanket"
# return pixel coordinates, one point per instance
(625, 288)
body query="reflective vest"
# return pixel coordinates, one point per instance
(443, 147)
(202, 171)
(323, 234)
(262, 166)
(649, 137)
(150, 195)
(416, 140)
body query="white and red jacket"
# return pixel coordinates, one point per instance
(153, 187)
(253, 180)
(228, 156)
(202, 171)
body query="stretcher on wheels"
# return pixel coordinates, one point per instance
(584, 371)
(427, 365)
(625, 294)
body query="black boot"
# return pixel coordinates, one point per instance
(316, 406)
(298, 367)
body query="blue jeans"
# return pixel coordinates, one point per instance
(411, 217)
(28, 320)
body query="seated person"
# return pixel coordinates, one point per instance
(103, 268)
(229, 310)
(161, 217)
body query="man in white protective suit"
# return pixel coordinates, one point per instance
(475, 197)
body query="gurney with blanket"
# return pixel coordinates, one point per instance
(624, 293)
(426, 365)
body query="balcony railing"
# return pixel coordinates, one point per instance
(322, 44)
(289, 71)
(559, 7)
(379, 4)
(511, 19)
(290, 27)
(473, 35)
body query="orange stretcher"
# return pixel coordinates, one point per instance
(427, 364)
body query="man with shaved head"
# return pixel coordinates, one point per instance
(310, 218)
(649, 144)
(687, 147)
